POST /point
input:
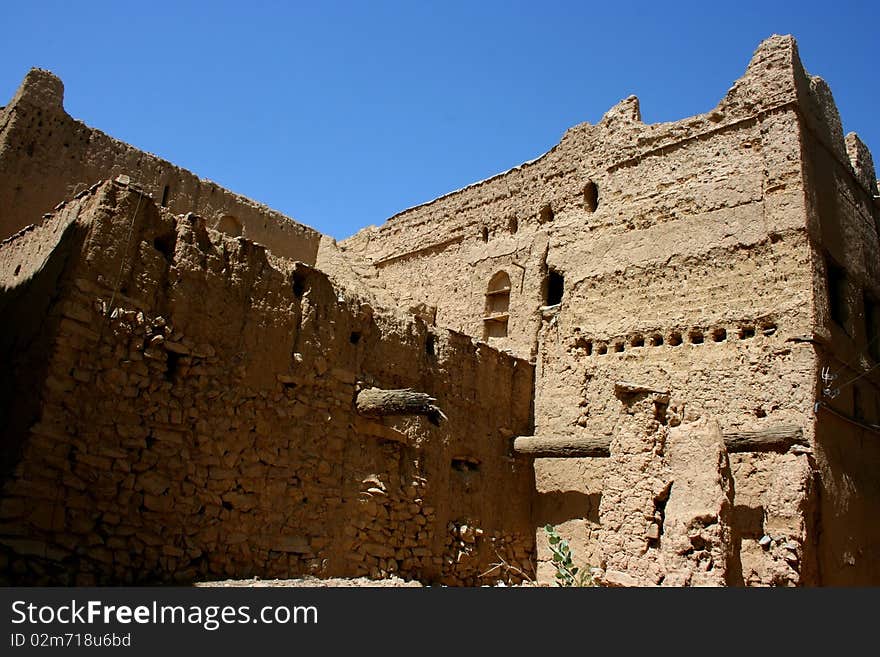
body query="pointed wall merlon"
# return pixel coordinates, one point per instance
(769, 80)
(40, 88)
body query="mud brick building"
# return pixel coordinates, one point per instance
(662, 339)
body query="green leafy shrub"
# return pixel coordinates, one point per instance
(567, 574)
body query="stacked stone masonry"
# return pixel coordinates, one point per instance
(196, 418)
(182, 398)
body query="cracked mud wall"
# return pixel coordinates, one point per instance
(723, 259)
(579, 198)
(194, 417)
(671, 487)
(688, 264)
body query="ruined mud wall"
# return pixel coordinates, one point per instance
(46, 157)
(194, 417)
(699, 286)
(843, 218)
(576, 200)
(686, 267)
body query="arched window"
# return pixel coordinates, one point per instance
(497, 306)
(230, 225)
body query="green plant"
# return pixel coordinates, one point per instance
(567, 574)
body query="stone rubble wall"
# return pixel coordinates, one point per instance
(190, 416)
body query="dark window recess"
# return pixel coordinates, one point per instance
(746, 332)
(298, 284)
(858, 404)
(485, 234)
(355, 337)
(696, 337)
(660, 411)
(837, 295)
(655, 530)
(719, 335)
(512, 225)
(545, 214)
(674, 339)
(591, 197)
(171, 366)
(165, 244)
(465, 464)
(637, 341)
(430, 345)
(165, 197)
(872, 327)
(555, 288)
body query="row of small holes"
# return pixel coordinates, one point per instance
(694, 336)
(545, 214)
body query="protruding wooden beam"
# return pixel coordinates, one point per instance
(778, 438)
(376, 402)
(630, 388)
(563, 446)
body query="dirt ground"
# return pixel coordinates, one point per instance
(308, 582)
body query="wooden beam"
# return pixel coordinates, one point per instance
(563, 446)
(375, 402)
(630, 388)
(777, 438)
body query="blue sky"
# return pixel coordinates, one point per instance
(341, 114)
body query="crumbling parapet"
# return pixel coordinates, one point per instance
(47, 156)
